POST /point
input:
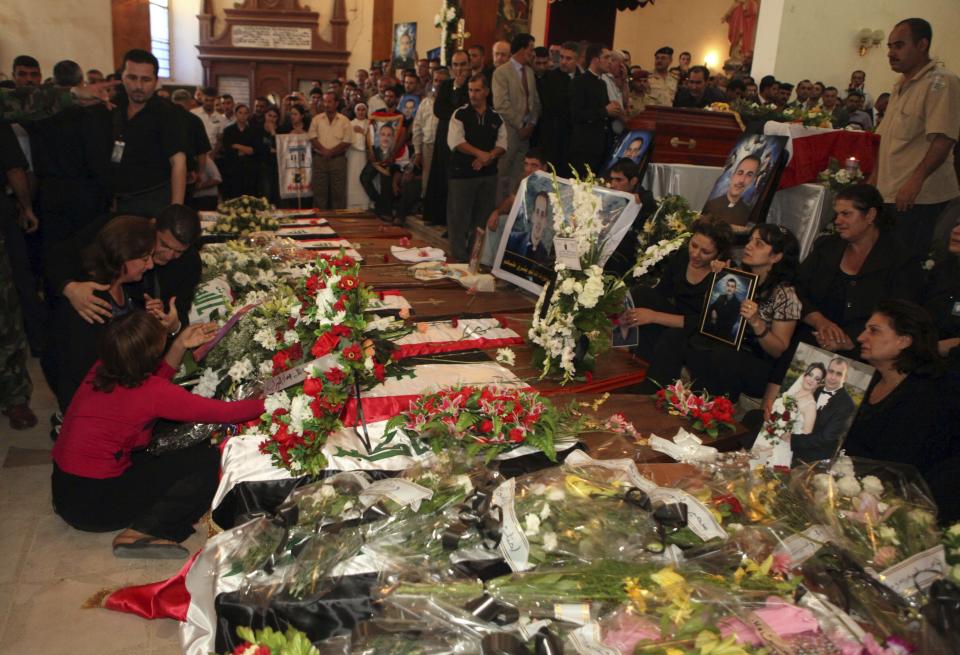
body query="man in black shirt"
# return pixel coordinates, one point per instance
(197, 142)
(555, 124)
(625, 176)
(147, 153)
(590, 112)
(696, 94)
(476, 137)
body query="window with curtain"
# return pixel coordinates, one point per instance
(160, 34)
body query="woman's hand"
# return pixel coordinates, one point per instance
(196, 335)
(718, 265)
(170, 319)
(831, 337)
(638, 316)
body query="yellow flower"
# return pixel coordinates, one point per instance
(586, 489)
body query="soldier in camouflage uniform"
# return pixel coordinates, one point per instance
(15, 385)
(31, 103)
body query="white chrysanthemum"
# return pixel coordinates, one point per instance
(209, 381)
(848, 486)
(872, 485)
(275, 401)
(299, 412)
(291, 337)
(266, 337)
(241, 370)
(549, 541)
(506, 357)
(531, 524)
(843, 467)
(266, 368)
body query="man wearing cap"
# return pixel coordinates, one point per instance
(639, 96)
(663, 86)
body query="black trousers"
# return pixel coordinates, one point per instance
(159, 495)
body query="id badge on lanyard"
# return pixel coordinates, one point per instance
(117, 155)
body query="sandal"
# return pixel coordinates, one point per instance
(148, 547)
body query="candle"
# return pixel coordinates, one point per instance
(852, 165)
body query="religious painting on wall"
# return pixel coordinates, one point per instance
(404, 46)
(827, 390)
(513, 17)
(635, 145)
(525, 256)
(744, 190)
(720, 318)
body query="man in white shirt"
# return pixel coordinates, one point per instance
(213, 121)
(425, 128)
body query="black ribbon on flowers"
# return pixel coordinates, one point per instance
(669, 516)
(638, 498)
(475, 513)
(488, 608)
(545, 642)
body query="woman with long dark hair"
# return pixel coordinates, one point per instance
(122, 253)
(102, 480)
(773, 254)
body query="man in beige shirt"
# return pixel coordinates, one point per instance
(663, 86)
(914, 171)
(330, 134)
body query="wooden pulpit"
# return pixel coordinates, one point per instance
(689, 136)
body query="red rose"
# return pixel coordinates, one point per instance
(345, 262)
(313, 285)
(379, 372)
(325, 344)
(486, 425)
(335, 375)
(785, 416)
(340, 306)
(281, 361)
(341, 330)
(516, 435)
(312, 386)
(347, 283)
(353, 353)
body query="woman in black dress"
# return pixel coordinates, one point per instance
(242, 153)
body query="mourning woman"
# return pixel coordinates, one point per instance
(910, 413)
(849, 272)
(669, 312)
(122, 253)
(773, 254)
(102, 480)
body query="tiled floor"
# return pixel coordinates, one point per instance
(48, 569)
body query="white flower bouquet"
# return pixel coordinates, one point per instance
(245, 215)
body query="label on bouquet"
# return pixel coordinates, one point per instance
(402, 492)
(513, 543)
(587, 641)
(916, 573)
(699, 519)
(567, 252)
(804, 545)
(624, 466)
(296, 375)
(578, 613)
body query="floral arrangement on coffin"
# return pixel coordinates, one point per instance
(482, 420)
(709, 415)
(331, 310)
(245, 267)
(884, 523)
(663, 233)
(245, 215)
(572, 319)
(836, 177)
(752, 111)
(270, 642)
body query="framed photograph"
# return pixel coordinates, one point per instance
(525, 255)
(744, 190)
(635, 145)
(383, 136)
(408, 106)
(404, 46)
(828, 390)
(626, 337)
(721, 318)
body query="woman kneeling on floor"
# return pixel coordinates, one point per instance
(103, 480)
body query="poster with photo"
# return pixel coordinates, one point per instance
(721, 319)
(408, 105)
(635, 145)
(828, 390)
(744, 190)
(404, 46)
(525, 254)
(382, 137)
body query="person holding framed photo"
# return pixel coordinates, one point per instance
(771, 316)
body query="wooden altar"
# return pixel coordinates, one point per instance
(271, 47)
(689, 136)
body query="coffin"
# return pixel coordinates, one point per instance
(689, 136)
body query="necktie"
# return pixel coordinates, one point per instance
(526, 90)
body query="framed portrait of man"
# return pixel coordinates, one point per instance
(408, 106)
(742, 194)
(404, 46)
(721, 319)
(525, 255)
(635, 145)
(827, 390)
(382, 137)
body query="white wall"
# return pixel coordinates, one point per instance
(691, 25)
(818, 38)
(53, 31)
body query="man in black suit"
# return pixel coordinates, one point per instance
(555, 123)
(590, 112)
(835, 411)
(451, 95)
(724, 311)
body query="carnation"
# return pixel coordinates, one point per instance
(872, 485)
(266, 338)
(266, 368)
(209, 381)
(291, 337)
(848, 486)
(276, 401)
(241, 370)
(531, 524)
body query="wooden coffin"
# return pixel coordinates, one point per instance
(689, 136)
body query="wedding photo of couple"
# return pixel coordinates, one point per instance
(828, 390)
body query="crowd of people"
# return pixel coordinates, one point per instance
(100, 240)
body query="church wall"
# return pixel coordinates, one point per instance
(693, 25)
(818, 38)
(52, 31)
